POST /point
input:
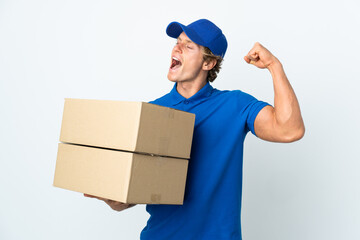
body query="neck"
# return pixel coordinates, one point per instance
(188, 89)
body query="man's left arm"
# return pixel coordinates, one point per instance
(283, 122)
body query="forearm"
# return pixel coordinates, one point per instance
(287, 112)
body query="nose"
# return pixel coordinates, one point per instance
(178, 48)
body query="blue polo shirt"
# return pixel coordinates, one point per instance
(212, 202)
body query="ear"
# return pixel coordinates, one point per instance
(208, 65)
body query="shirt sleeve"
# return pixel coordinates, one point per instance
(250, 108)
(254, 108)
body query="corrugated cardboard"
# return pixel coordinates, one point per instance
(131, 126)
(121, 176)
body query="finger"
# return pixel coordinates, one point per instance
(89, 196)
(253, 54)
(108, 201)
(103, 199)
(250, 60)
(92, 196)
(253, 57)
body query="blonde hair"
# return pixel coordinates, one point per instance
(208, 56)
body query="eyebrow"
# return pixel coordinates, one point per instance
(187, 40)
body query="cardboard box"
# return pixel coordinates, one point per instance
(131, 126)
(121, 176)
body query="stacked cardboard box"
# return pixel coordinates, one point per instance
(132, 152)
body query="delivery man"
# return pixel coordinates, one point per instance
(212, 203)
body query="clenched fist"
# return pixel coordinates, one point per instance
(260, 57)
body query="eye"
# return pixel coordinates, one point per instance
(189, 46)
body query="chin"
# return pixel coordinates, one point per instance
(171, 78)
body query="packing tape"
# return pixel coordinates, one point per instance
(155, 198)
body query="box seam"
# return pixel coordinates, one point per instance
(130, 177)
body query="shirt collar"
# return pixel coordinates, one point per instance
(203, 93)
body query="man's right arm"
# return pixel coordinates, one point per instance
(283, 122)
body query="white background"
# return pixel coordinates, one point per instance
(50, 50)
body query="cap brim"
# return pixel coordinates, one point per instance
(174, 29)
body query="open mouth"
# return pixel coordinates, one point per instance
(175, 63)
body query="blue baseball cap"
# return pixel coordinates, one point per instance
(202, 32)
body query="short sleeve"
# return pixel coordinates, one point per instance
(250, 108)
(254, 108)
